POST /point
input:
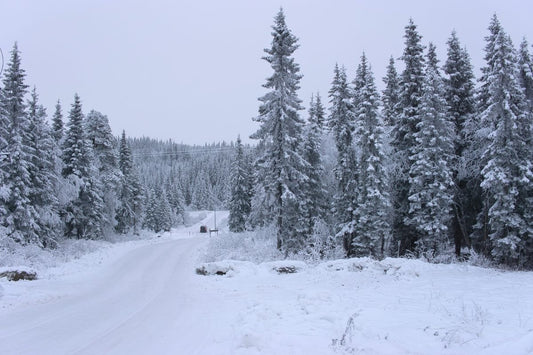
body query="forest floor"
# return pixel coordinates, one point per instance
(145, 297)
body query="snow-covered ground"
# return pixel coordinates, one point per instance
(144, 297)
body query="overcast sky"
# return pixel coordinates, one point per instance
(192, 70)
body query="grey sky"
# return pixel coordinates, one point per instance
(191, 70)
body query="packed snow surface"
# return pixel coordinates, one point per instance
(146, 297)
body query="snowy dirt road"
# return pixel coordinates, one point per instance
(148, 301)
(145, 298)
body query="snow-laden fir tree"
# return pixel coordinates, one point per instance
(391, 94)
(403, 139)
(151, 220)
(525, 76)
(84, 215)
(241, 190)
(104, 148)
(43, 174)
(459, 88)
(18, 156)
(477, 135)
(507, 171)
(57, 123)
(314, 203)
(341, 122)
(129, 210)
(373, 203)
(430, 174)
(163, 211)
(281, 167)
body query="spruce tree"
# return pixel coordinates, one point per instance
(373, 203)
(430, 174)
(241, 190)
(57, 123)
(507, 170)
(98, 132)
(21, 217)
(314, 206)
(391, 94)
(342, 124)
(84, 215)
(163, 211)
(129, 209)
(151, 220)
(459, 88)
(43, 173)
(403, 138)
(282, 168)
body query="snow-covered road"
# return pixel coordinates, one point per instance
(147, 301)
(145, 298)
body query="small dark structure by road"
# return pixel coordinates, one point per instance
(203, 229)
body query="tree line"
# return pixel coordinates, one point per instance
(77, 180)
(432, 165)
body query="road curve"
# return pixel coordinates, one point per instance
(149, 301)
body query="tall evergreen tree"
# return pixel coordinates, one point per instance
(507, 170)
(403, 138)
(164, 214)
(84, 215)
(391, 94)
(130, 198)
(342, 125)
(373, 203)
(103, 142)
(314, 206)
(57, 123)
(282, 167)
(430, 174)
(43, 173)
(21, 216)
(459, 88)
(151, 220)
(241, 190)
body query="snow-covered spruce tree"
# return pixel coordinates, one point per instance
(151, 220)
(525, 67)
(163, 212)
(459, 88)
(104, 149)
(507, 170)
(57, 123)
(314, 203)
(391, 94)
(21, 217)
(403, 139)
(43, 174)
(341, 122)
(241, 190)
(84, 215)
(130, 205)
(477, 135)
(430, 173)
(373, 203)
(282, 168)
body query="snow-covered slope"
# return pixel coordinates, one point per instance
(145, 298)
